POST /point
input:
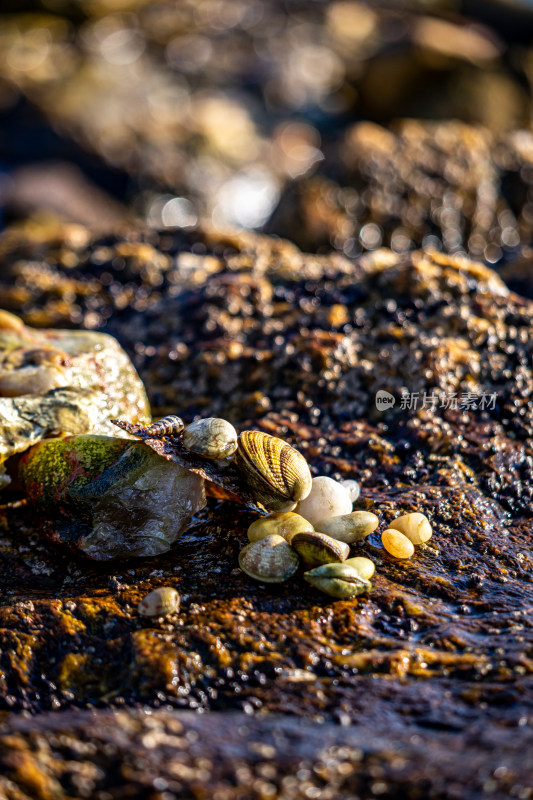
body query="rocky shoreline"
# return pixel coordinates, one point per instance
(296, 345)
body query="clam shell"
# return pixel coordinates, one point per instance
(349, 527)
(211, 438)
(269, 560)
(318, 548)
(284, 523)
(277, 473)
(162, 602)
(338, 580)
(416, 527)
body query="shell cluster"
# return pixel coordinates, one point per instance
(282, 541)
(321, 542)
(311, 521)
(276, 474)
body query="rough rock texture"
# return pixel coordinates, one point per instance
(298, 345)
(54, 382)
(160, 755)
(107, 497)
(418, 183)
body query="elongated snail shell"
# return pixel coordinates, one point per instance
(211, 438)
(277, 473)
(168, 426)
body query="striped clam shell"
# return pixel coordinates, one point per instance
(168, 426)
(277, 473)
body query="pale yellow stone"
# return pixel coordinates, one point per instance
(416, 527)
(349, 528)
(283, 523)
(397, 544)
(364, 566)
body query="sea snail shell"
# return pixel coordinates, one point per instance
(168, 426)
(211, 438)
(277, 474)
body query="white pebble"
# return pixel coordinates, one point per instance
(326, 499)
(353, 488)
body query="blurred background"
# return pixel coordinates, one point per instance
(343, 125)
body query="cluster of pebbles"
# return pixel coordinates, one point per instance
(320, 538)
(313, 524)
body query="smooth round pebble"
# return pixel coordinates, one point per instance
(416, 527)
(327, 498)
(349, 528)
(397, 544)
(284, 523)
(364, 566)
(353, 488)
(162, 602)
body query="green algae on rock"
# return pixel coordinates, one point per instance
(109, 497)
(54, 382)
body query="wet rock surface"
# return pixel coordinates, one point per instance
(160, 755)
(249, 328)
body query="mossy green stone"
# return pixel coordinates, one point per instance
(109, 497)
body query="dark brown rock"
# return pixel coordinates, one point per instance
(458, 187)
(164, 755)
(297, 345)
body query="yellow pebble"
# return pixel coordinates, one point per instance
(416, 527)
(283, 523)
(397, 544)
(364, 566)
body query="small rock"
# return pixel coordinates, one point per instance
(397, 544)
(353, 488)
(326, 499)
(349, 527)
